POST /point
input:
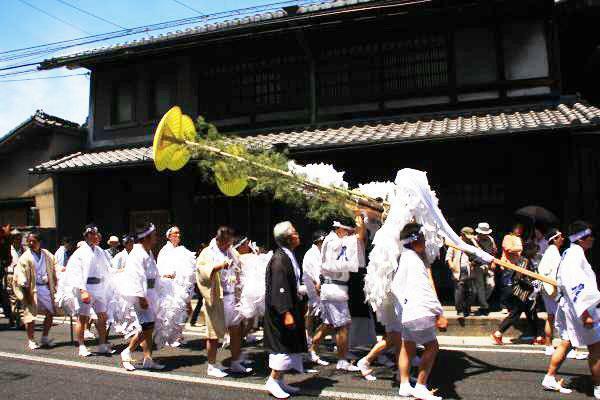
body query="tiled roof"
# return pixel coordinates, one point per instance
(380, 132)
(41, 119)
(227, 24)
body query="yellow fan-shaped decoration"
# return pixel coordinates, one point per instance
(229, 185)
(168, 150)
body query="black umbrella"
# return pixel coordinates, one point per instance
(538, 214)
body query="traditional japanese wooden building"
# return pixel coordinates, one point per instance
(470, 91)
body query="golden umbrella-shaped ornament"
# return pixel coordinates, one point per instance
(168, 149)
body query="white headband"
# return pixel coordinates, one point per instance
(169, 231)
(148, 231)
(90, 229)
(241, 242)
(337, 224)
(580, 235)
(557, 234)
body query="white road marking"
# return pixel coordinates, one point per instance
(184, 378)
(490, 350)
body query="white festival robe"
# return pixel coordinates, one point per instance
(548, 267)
(140, 268)
(44, 298)
(418, 303)
(118, 262)
(579, 292)
(311, 271)
(339, 257)
(87, 262)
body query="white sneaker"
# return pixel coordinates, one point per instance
(215, 372)
(84, 351)
(344, 365)
(175, 344)
(365, 369)
(149, 363)
(597, 392)
(126, 360)
(550, 383)
(105, 348)
(405, 390)
(582, 355)
(87, 334)
(314, 357)
(47, 342)
(289, 388)
(272, 386)
(32, 345)
(238, 368)
(549, 350)
(422, 393)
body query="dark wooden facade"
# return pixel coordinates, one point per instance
(444, 57)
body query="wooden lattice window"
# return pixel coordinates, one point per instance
(377, 70)
(414, 64)
(254, 86)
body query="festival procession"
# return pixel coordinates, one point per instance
(267, 202)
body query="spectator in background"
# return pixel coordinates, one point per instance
(113, 247)
(16, 250)
(484, 273)
(512, 245)
(462, 273)
(118, 261)
(63, 253)
(5, 261)
(517, 292)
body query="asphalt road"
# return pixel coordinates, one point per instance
(461, 373)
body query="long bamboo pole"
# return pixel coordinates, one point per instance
(514, 267)
(354, 198)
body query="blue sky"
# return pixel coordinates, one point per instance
(23, 26)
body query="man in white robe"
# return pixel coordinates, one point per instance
(218, 277)
(579, 298)
(87, 274)
(421, 312)
(139, 285)
(34, 285)
(339, 256)
(311, 272)
(173, 270)
(548, 266)
(118, 262)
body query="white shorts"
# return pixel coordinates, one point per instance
(285, 362)
(144, 316)
(97, 305)
(419, 336)
(335, 313)
(44, 300)
(549, 304)
(574, 330)
(232, 315)
(394, 326)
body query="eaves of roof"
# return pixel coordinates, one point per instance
(562, 117)
(194, 35)
(43, 120)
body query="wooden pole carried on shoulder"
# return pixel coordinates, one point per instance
(516, 268)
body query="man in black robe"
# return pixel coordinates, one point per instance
(284, 332)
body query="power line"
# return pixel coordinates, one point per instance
(44, 77)
(54, 47)
(53, 16)
(90, 14)
(188, 7)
